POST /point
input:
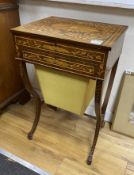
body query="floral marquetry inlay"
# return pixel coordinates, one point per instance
(57, 48)
(71, 29)
(69, 45)
(60, 64)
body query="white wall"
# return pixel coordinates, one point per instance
(129, 4)
(31, 10)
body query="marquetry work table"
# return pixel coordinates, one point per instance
(73, 46)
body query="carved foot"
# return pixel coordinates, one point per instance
(30, 136)
(89, 160)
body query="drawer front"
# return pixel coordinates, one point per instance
(87, 63)
(68, 50)
(59, 64)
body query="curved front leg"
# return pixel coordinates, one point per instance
(30, 89)
(108, 92)
(98, 94)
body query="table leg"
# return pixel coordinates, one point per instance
(98, 95)
(108, 92)
(30, 89)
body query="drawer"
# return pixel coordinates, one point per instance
(62, 49)
(79, 61)
(58, 63)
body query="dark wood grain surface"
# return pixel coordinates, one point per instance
(10, 81)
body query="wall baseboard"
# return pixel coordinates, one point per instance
(90, 111)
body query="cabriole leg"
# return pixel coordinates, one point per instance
(98, 94)
(108, 92)
(30, 89)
